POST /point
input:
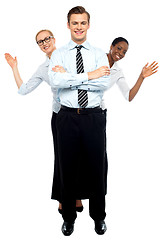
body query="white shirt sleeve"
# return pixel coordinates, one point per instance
(117, 77)
(33, 83)
(123, 86)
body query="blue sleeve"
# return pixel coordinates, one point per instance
(102, 83)
(64, 80)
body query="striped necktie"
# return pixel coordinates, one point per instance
(82, 94)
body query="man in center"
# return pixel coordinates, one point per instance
(81, 122)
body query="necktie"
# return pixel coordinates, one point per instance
(82, 94)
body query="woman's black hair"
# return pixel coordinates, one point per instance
(119, 39)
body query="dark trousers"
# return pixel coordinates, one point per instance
(56, 177)
(82, 134)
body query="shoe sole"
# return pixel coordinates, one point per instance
(67, 234)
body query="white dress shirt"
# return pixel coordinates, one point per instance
(118, 78)
(38, 77)
(67, 83)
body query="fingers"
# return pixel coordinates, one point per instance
(154, 67)
(8, 56)
(54, 69)
(106, 70)
(146, 65)
(154, 64)
(58, 68)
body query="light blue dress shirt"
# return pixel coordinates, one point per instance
(38, 77)
(68, 83)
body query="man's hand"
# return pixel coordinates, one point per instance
(100, 72)
(58, 69)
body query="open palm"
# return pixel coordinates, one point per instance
(10, 60)
(149, 70)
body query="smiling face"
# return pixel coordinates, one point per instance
(118, 51)
(49, 46)
(78, 26)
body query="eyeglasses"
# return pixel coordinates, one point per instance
(47, 39)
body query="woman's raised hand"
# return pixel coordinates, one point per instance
(149, 70)
(10, 60)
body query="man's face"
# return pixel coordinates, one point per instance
(78, 26)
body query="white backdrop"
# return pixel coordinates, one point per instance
(26, 155)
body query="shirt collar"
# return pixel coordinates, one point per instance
(115, 66)
(72, 45)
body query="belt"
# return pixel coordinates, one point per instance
(82, 110)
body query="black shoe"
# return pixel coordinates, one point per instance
(67, 228)
(78, 209)
(100, 227)
(60, 210)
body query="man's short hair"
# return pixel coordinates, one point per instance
(77, 10)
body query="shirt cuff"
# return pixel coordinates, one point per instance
(81, 79)
(22, 89)
(127, 95)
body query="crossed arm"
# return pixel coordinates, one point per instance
(147, 71)
(100, 72)
(14, 66)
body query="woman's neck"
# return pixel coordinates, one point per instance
(110, 59)
(50, 54)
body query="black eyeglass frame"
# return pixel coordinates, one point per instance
(46, 39)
